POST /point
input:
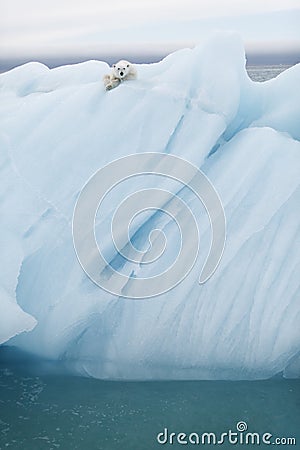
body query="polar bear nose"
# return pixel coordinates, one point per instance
(121, 73)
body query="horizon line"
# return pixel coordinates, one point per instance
(252, 58)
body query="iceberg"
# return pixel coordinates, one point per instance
(59, 126)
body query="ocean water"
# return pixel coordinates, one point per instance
(265, 73)
(41, 408)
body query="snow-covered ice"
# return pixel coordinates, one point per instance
(59, 126)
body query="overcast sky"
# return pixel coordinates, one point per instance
(62, 26)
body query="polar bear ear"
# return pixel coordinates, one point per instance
(127, 65)
(114, 66)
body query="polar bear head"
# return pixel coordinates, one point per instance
(122, 69)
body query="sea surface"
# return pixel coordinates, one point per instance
(265, 73)
(41, 408)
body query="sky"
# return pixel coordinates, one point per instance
(57, 27)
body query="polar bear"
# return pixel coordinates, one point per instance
(121, 71)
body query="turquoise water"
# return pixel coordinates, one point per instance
(65, 412)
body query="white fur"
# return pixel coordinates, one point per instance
(121, 71)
